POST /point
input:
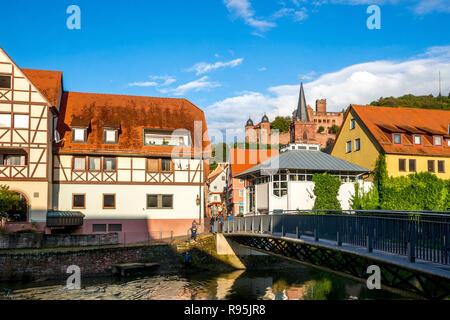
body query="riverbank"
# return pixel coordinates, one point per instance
(33, 264)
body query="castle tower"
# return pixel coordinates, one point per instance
(321, 106)
(250, 132)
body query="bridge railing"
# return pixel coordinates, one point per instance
(421, 235)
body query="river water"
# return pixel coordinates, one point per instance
(295, 284)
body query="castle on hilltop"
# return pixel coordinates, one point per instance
(307, 126)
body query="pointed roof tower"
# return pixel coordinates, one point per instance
(302, 112)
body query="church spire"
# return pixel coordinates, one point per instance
(302, 112)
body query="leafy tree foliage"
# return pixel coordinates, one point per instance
(281, 123)
(334, 129)
(321, 129)
(412, 101)
(326, 190)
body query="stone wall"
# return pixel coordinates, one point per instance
(53, 264)
(39, 240)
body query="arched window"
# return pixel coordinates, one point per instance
(19, 212)
(305, 135)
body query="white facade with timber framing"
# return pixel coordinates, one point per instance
(133, 165)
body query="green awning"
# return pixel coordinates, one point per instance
(64, 218)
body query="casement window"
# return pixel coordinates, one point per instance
(21, 121)
(110, 136)
(109, 164)
(441, 166)
(349, 146)
(438, 141)
(166, 165)
(401, 164)
(5, 82)
(417, 140)
(79, 201)
(448, 142)
(109, 201)
(79, 163)
(223, 177)
(95, 163)
(397, 139)
(153, 137)
(114, 227)
(79, 135)
(357, 144)
(99, 228)
(152, 165)
(159, 201)
(241, 193)
(13, 159)
(430, 165)
(156, 165)
(412, 165)
(352, 124)
(279, 185)
(5, 120)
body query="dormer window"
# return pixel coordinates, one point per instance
(438, 141)
(397, 138)
(417, 140)
(154, 137)
(79, 135)
(5, 82)
(110, 136)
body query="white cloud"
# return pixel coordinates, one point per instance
(262, 69)
(357, 84)
(243, 10)
(157, 81)
(203, 67)
(143, 84)
(428, 6)
(196, 85)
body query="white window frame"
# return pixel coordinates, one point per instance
(76, 132)
(420, 139)
(435, 138)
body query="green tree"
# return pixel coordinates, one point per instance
(412, 101)
(381, 176)
(321, 129)
(334, 129)
(326, 190)
(8, 200)
(282, 124)
(365, 200)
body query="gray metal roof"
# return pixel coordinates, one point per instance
(305, 160)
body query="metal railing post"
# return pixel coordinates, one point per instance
(282, 226)
(369, 243)
(316, 231)
(261, 226)
(245, 224)
(253, 224)
(271, 224)
(338, 239)
(411, 247)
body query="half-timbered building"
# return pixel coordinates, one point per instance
(127, 164)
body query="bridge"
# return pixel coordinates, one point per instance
(412, 249)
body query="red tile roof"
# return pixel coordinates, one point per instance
(47, 82)
(382, 122)
(133, 114)
(244, 159)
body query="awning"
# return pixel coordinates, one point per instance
(64, 218)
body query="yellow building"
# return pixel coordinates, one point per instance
(413, 140)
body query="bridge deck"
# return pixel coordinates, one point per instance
(427, 267)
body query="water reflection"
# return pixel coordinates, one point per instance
(297, 284)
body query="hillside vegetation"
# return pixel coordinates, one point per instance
(412, 101)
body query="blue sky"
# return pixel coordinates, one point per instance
(236, 58)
